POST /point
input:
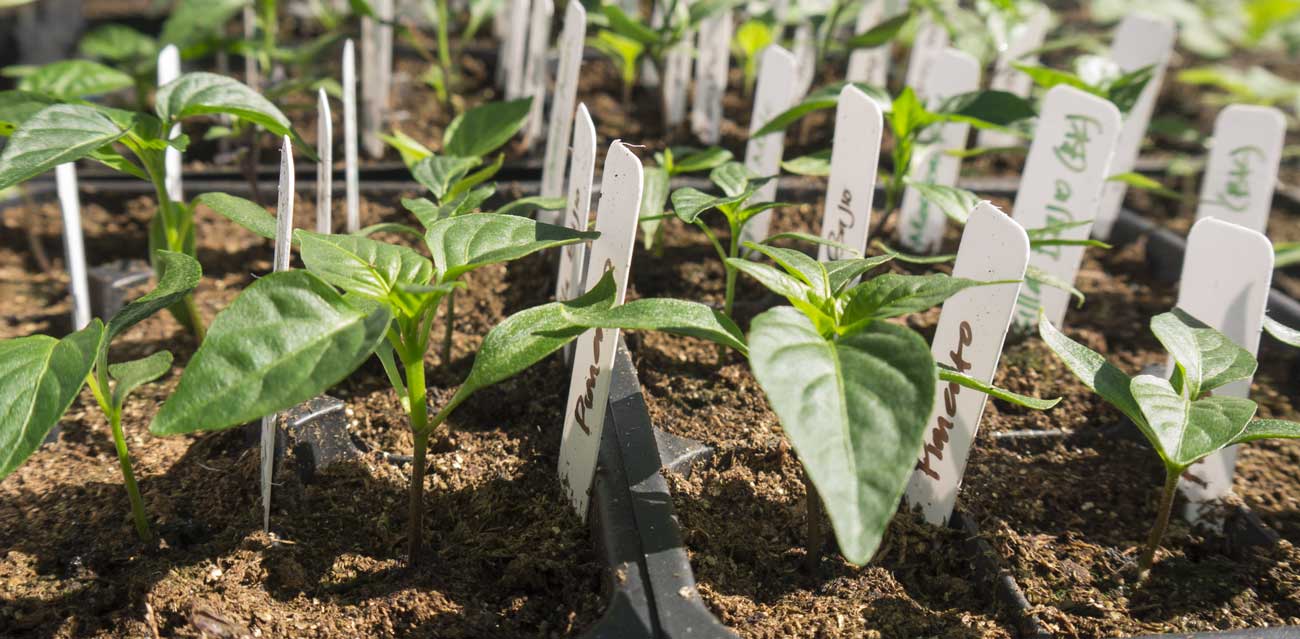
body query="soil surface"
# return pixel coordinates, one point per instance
(505, 556)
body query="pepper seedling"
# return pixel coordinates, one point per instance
(48, 132)
(292, 334)
(40, 376)
(853, 391)
(1180, 416)
(657, 179)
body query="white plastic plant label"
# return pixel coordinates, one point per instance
(776, 73)
(931, 39)
(352, 175)
(920, 223)
(169, 68)
(712, 51)
(1024, 39)
(577, 208)
(677, 77)
(514, 48)
(280, 262)
(376, 84)
(1227, 272)
(972, 326)
(1065, 172)
(805, 52)
(872, 65)
(539, 38)
(1242, 168)
(855, 153)
(616, 220)
(74, 247)
(562, 114)
(1140, 41)
(251, 76)
(325, 167)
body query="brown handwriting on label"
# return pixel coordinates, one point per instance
(939, 434)
(844, 221)
(585, 401)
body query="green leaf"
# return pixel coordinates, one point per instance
(409, 148)
(1139, 181)
(812, 239)
(894, 295)
(194, 21)
(949, 375)
(412, 300)
(136, 373)
(987, 109)
(17, 106)
(438, 172)
(1205, 358)
(841, 273)
(526, 205)
(825, 98)
(483, 129)
(676, 317)
(1095, 372)
(201, 93)
(732, 177)
(360, 265)
(955, 203)
(478, 177)
(110, 157)
(628, 27)
(689, 202)
(1187, 431)
(775, 280)
(703, 160)
(178, 275)
(913, 259)
(1047, 77)
(1035, 274)
(1267, 429)
(245, 213)
(880, 34)
(54, 135)
(854, 409)
(39, 379)
(814, 164)
(69, 79)
(463, 243)
(118, 43)
(1286, 254)
(390, 227)
(1282, 332)
(809, 271)
(287, 338)
(654, 194)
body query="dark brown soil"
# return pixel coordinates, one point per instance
(505, 555)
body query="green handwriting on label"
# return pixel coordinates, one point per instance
(1073, 151)
(1235, 194)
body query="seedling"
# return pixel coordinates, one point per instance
(40, 376)
(657, 179)
(853, 391)
(1181, 417)
(47, 132)
(626, 38)
(310, 336)
(751, 38)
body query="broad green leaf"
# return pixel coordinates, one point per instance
(689, 202)
(17, 106)
(118, 43)
(1187, 431)
(412, 300)
(69, 79)
(629, 27)
(1282, 332)
(526, 205)
(423, 209)
(798, 264)
(409, 148)
(287, 338)
(1125, 90)
(1267, 429)
(654, 195)
(131, 375)
(476, 178)
(855, 410)
(438, 172)
(54, 135)
(842, 273)
(773, 279)
(39, 379)
(360, 265)
(463, 243)
(202, 93)
(110, 157)
(1205, 358)
(732, 177)
(989, 109)
(528, 336)
(246, 213)
(747, 213)
(956, 203)
(949, 375)
(814, 164)
(895, 295)
(1095, 372)
(676, 317)
(824, 98)
(178, 275)
(1139, 181)
(702, 160)
(467, 202)
(194, 21)
(880, 34)
(483, 129)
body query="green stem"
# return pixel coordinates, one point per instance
(451, 323)
(733, 251)
(128, 477)
(174, 232)
(1162, 523)
(444, 47)
(816, 532)
(415, 389)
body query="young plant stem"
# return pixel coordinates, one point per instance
(415, 389)
(128, 477)
(186, 310)
(444, 48)
(732, 251)
(1162, 524)
(451, 323)
(891, 205)
(816, 532)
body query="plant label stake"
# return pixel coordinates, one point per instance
(280, 262)
(871, 65)
(350, 171)
(169, 68)
(1140, 41)
(855, 153)
(1227, 272)
(805, 52)
(1024, 38)
(568, 279)
(616, 220)
(776, 74)
(514, 48)
(325, 167)
(931, 40)
(251, 77)
(920, 223)
(377, 54)
(1065, 172)
(539, 36)
(713, 41)
(1242, 168)
(65, 177)
(562, 113)
(972, 327)
(677, 75)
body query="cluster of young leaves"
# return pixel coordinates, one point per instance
(1180, 416)
(853, 391)
(625, 38)
(654, 194)
(1096, 75)
(40, 376)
